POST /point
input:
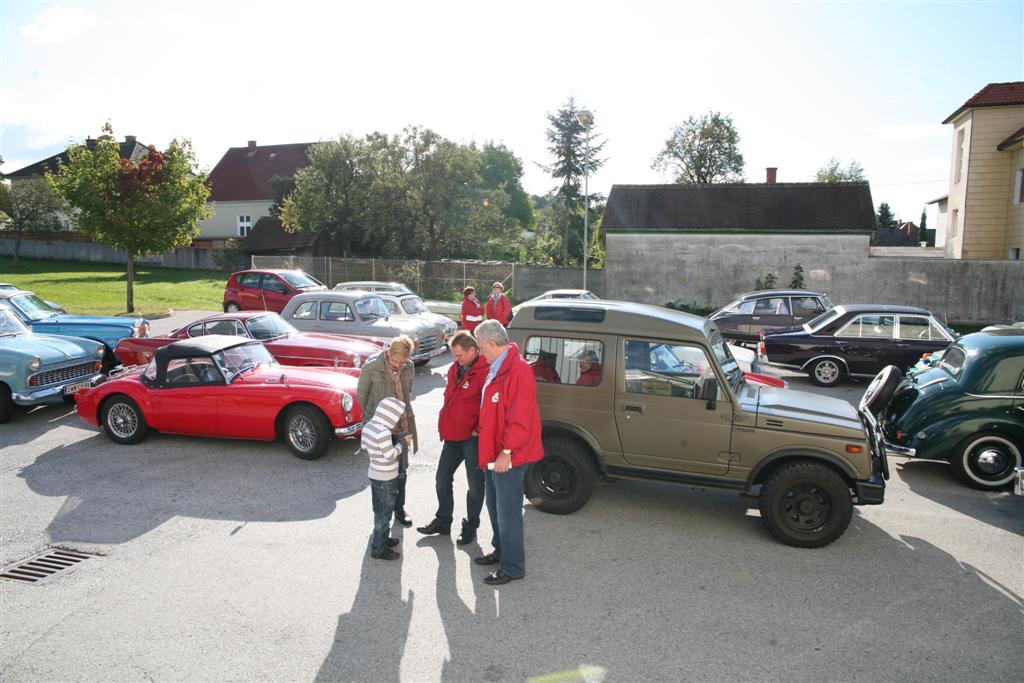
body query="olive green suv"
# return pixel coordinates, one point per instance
(641, 392)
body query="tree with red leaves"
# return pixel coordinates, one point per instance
(147, 206)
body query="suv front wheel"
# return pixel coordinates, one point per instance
(562, 482)
(806, 504)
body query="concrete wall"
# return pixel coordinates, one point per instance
(83, 250)
(711, 270)
(531, 281)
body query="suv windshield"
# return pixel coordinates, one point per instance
(372, 307)
(726, 361)
(269, 327)
(9, 323)
(822, 320)
(301, 280)
(413, 304)
(33, 307)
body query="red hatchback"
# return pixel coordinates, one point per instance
(266, 290)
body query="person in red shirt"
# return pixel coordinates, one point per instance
(544, 368)
(472, 309)
(590, 369)
(510, 440)
(498, 306)
(457, 426)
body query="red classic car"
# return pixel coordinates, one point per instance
(225, 387)
(288, 345)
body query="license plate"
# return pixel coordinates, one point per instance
(76, 387)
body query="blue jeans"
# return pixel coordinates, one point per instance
(453, 454)
(505, 508)
(400, 491)
(383, 494)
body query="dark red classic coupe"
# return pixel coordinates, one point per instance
(225, 387)
(288, 345)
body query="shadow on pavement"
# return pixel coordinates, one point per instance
(117, 493)
(936, 481)
(693, 588)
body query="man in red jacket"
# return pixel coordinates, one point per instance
(498, 306)
(457, 426)
(510, 439)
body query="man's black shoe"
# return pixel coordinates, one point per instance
(387, 554)
(403, 518)
(490, 558)
(499, 578)
(435, 527)
(467, 536)
(392, 542)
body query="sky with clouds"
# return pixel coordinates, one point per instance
(803, 81)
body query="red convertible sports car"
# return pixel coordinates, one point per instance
(288, 345)
(225, 387)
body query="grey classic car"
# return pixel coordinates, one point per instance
(361, 314)
(411, 306)
(42, 368)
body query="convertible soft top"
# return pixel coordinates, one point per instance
(199, 346)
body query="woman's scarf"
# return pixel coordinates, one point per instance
(395, 373)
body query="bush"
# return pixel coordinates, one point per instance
(689, 308)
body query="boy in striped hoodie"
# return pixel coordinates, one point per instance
(384, 456)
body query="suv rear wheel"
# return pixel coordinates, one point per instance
(806, 504)
(562, 482)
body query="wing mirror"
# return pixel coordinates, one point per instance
(711, 392)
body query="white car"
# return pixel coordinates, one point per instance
(585, 294)
(411, 306)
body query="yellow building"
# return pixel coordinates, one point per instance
(985, 218)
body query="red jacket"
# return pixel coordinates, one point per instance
(591, 377)
(500, 311)
(471, 309)
(509, 417)
(461, 410)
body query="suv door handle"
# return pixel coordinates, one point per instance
(633, 408)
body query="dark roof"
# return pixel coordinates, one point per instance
(993, 95)
(130, 149)
(268, 235)
(198, 346)
(740, 206)
(244, 173)
(1012, 140)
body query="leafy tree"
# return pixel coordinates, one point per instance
(924, 223)
(885, 218)
(798, 277)
(282, 187)
(33, 207)
(702, 151)
(768, 282)
(576, 151)
(143, 208)
(5, 202)
(833, 172)
(501, 170)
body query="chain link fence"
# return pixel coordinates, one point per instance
(442, 280)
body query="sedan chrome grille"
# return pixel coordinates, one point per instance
(61, 375)
(427, 344)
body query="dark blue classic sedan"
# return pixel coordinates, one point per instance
(856, 341)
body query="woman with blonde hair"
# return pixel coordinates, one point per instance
(390, 374)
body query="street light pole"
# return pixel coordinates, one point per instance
(587, 120)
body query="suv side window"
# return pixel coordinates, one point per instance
(776, 305)
(565, 361)
(665, 369)
(335, 310)
(806, 305)
(271, 283)
(305, 311)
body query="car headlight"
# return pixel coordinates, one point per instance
(34, 364)
(346, 402)
(100, 351)
(142, 330)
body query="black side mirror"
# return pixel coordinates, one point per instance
(711, 392)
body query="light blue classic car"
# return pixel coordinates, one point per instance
(42, 368)
(41, 318)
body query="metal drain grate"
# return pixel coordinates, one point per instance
(45, 565)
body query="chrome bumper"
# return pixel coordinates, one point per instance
(50, 393)
(441, 348)
(899, 450)
(348, 431)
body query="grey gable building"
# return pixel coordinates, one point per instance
(704, 244)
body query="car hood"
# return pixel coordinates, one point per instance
(411, 326)
(791, 410)
(327, 342)
(50, 348)
(309, 377)
(88, 320)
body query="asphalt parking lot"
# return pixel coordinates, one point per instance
(233, 560)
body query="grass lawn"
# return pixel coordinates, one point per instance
(101, 289)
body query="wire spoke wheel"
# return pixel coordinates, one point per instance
(122, 420)
(302, 433)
